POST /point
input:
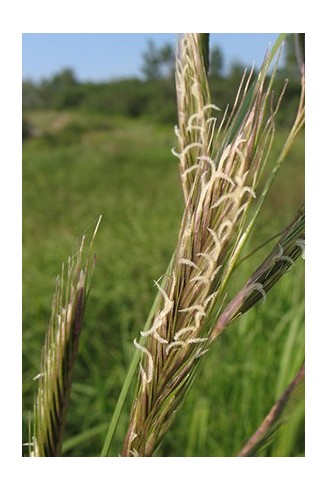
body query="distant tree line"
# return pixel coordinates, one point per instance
(153, 96)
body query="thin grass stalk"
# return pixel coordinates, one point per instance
(220, 172)
(276, 417)
(60, 351)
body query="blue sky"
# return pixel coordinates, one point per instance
(100, 57)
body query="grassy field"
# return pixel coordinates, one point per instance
(79, 166)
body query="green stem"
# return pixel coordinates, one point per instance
(120, 403)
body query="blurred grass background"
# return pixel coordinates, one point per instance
(80, 165)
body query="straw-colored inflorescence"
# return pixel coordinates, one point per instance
(220, 164)
(59, 354)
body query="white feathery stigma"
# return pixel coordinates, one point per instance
(144, 350)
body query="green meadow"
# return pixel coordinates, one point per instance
(78, 166)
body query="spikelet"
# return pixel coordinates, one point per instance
(220, 163)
